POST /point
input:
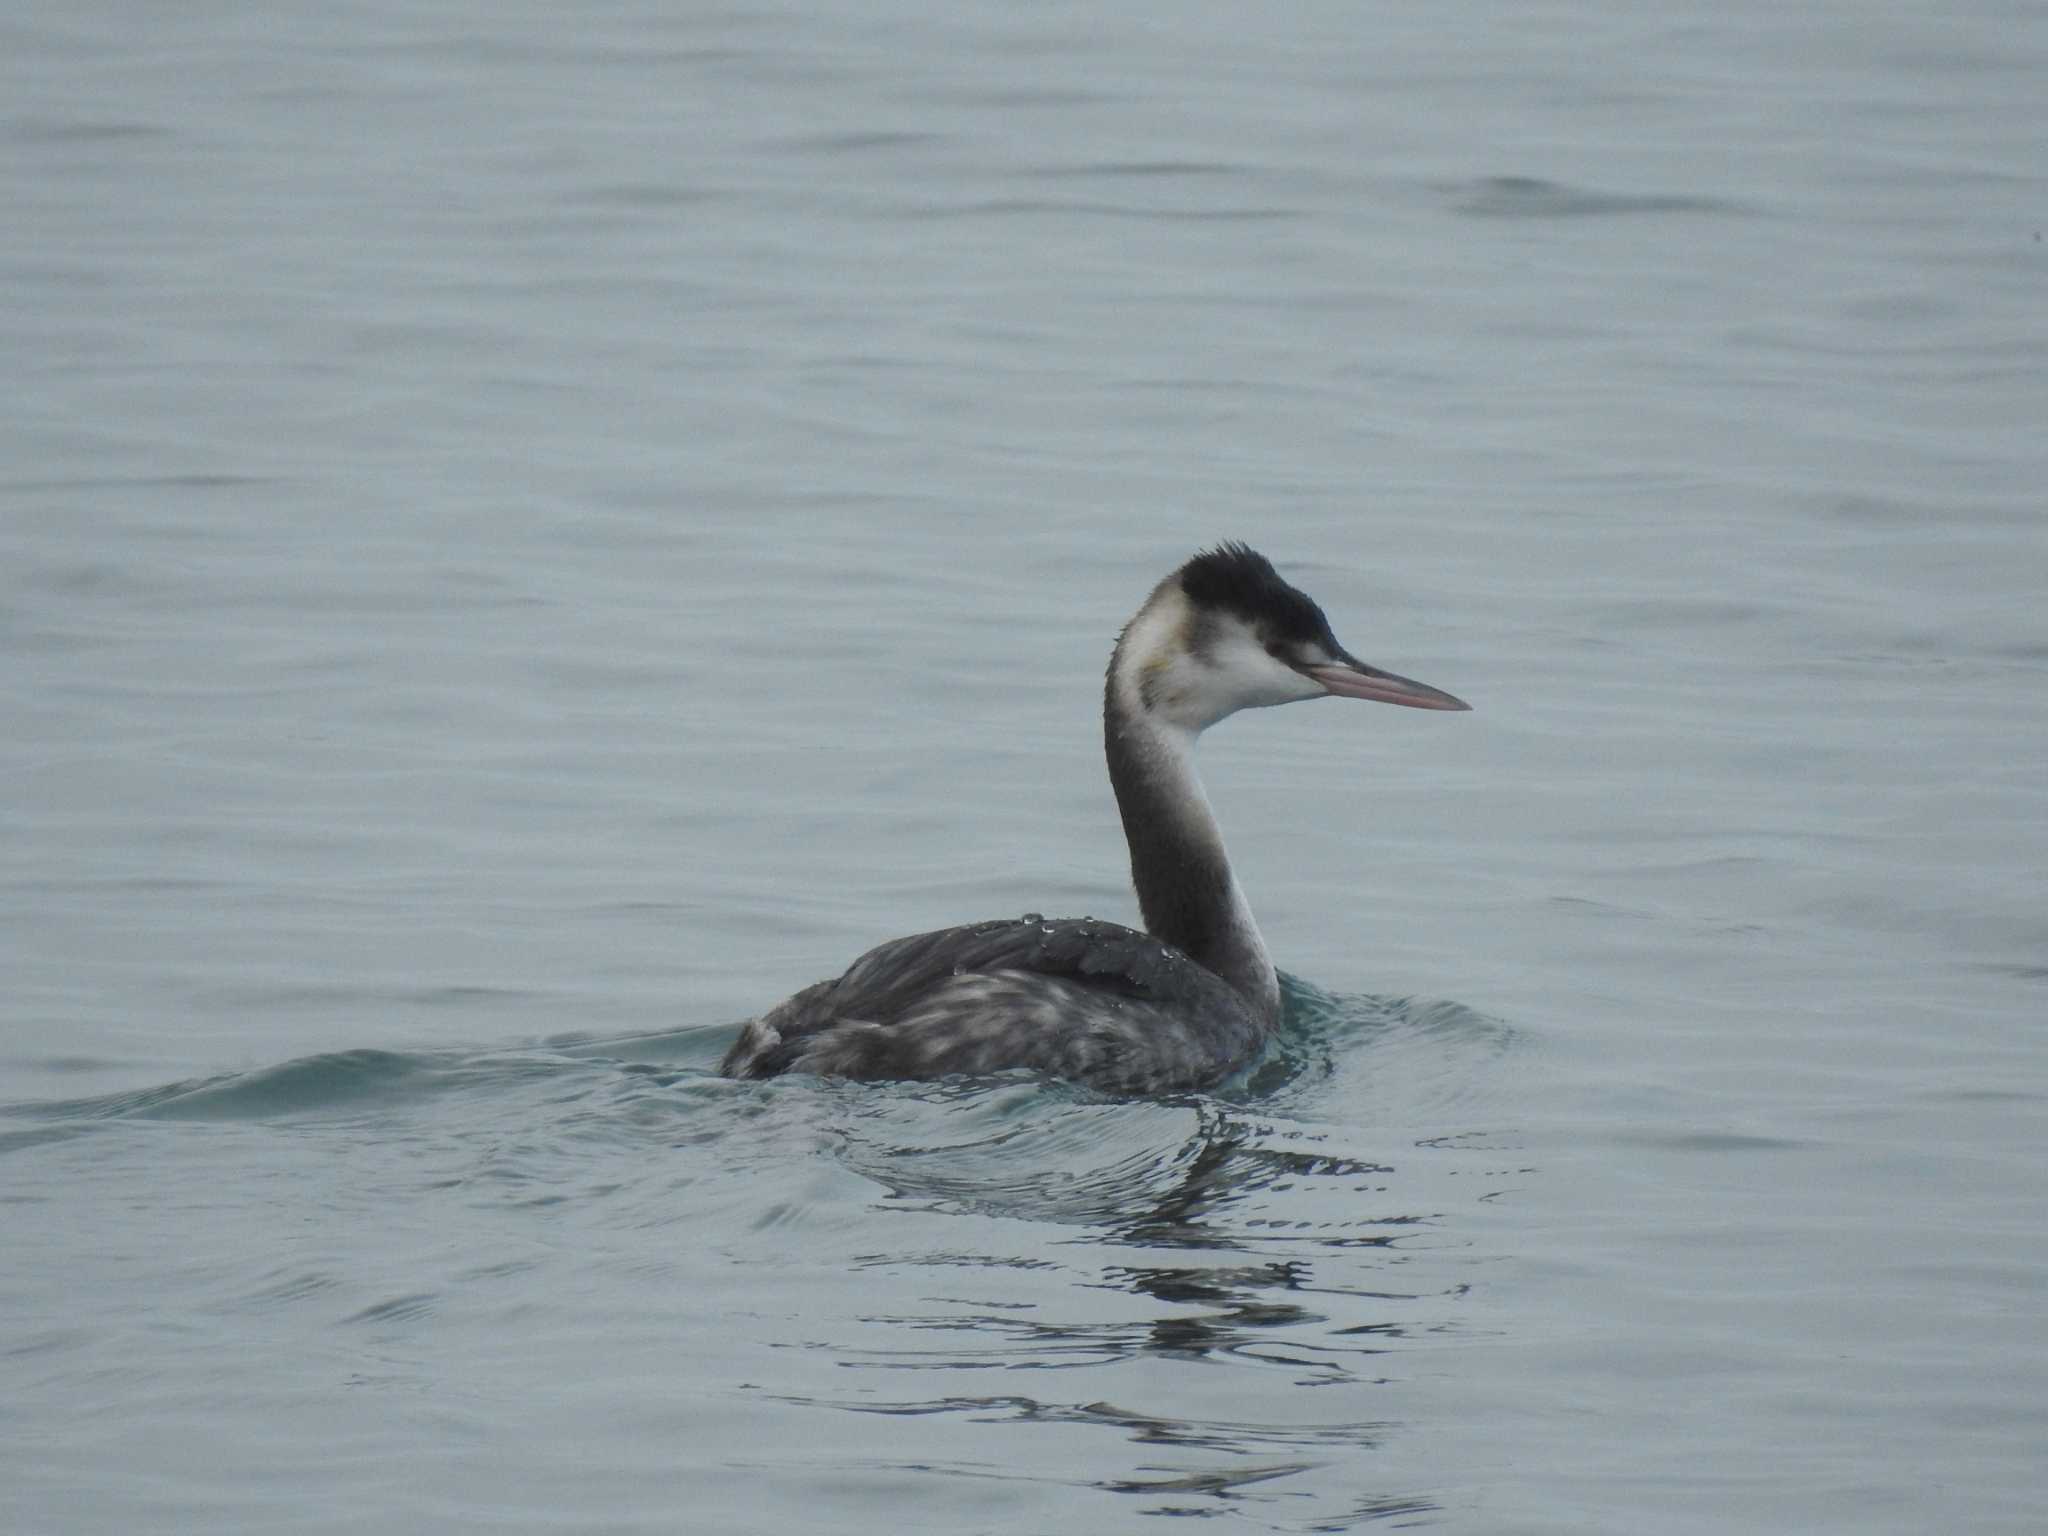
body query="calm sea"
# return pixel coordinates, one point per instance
(528, 532)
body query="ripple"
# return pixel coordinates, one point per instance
(1408, 1059)
(1531, 197)
(855, 143)
(1033, 207)
(1134, 168)
(286, 1287)
(397, 1309)
(1236, 1437)
(50, 130)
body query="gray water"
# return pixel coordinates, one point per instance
(529, 532)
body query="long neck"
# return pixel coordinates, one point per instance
(1185, 887)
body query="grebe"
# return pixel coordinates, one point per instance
(1184, 1004)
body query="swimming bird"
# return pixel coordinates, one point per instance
(1184, 1004)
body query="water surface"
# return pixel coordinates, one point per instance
(525, 538)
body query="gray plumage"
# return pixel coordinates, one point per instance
(1075, 998)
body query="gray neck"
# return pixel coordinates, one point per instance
(1185, 888)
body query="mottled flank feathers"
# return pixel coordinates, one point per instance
(1091, 1001)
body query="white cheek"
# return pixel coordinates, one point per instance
(1196, 695)
(1249, 678)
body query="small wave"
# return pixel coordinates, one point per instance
(354, 1081)
(1531, 197)
(1039, 207)
(334, 1083)
(333, 1080)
